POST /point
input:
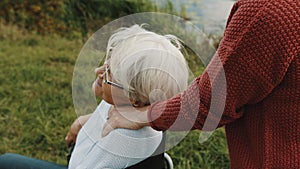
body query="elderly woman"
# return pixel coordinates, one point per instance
(141, 67)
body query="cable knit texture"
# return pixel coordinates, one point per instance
(261, 60)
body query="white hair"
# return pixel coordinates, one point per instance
(150, 67)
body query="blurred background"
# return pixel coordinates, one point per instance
(39, 44)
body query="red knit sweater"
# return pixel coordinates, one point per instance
(260, 55)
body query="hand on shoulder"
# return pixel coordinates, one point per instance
(126, 117)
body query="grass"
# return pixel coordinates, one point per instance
(36, 107)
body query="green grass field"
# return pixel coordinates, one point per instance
(36, 106)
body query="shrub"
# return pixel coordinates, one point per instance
(68, 17)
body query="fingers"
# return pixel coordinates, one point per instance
(107, 128)
(70, 139)
(111, 112)
(72, 134)
(111, 122)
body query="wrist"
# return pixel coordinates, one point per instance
(83, 119)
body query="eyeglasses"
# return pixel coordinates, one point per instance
(106, 81)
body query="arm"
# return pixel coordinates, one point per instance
(255, 54)
(74, 129)
(80, 121)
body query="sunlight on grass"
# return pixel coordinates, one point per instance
(35, 89)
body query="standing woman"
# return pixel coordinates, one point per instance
(260, 56)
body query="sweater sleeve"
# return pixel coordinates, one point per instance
(252, 59)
